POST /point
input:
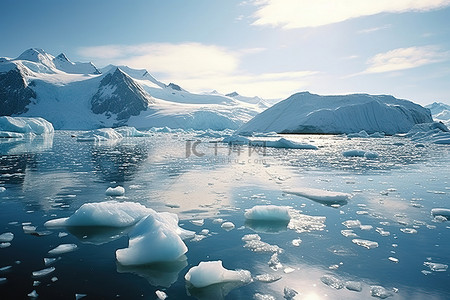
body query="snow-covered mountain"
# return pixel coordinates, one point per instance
(440, 112)
(80, 96)
(309, 113)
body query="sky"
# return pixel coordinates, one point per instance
(266, 48)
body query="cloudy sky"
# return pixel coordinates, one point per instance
(269, 48)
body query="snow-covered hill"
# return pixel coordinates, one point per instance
(440, 112)
(79, 96)
(309, 113)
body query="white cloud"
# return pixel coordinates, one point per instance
(198, 67)
(290, 14)
(405, 58)
(370, 30)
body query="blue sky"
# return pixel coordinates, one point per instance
(269, 48)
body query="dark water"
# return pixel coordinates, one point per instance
(47, 179)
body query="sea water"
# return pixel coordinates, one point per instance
(382, 242)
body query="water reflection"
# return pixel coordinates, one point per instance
(157, 274)
(216, 291)
(267, 226)
(26, 145)
(120, 162)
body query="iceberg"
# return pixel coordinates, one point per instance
(13, 126)
(99, 135)
(445, 212)
(152, 240)
(436, 133)
(117, 191)
(212, 272)
(309, 113)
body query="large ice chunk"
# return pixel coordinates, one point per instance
(445, 212)
(99, 135)
(268, 213)
(154, 239)
(212, 272)
(37, 126)
(106, 214)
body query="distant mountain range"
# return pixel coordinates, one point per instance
(79, 96)
(74, 95)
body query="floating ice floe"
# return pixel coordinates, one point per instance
(99, 135)
(153, 239)
(280, 143)
(127, 131)
(267, 278)
(63, 248)
(322, 196)
(268, 213)
(161, 295)
(227, 226)
(435, 132)
(355, 286)
(444, 212)
(364, 134)
(117, 191)
(105, 214)
(380, 292)
(289, 293)
(360, 153)
(436, 267)
(2, 189)
(23, 125)
(43, 272)
(365, 243)
(212, 272)
(6, 237)
(332, 281)
(259, 296)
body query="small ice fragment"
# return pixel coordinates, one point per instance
(268, 213)
(36, 283)
(332, 281)
(362, 212)
(365, 243)
(371, 155)
(49, 261)
(54, 279)
(296, 242)
(267, 278)
(251, 237)
(6, 237)
(366, 227)
(2, 189)
(212, 272)
(289, 293)
(382, 232)
(355, 286)
(425, 272)
(393, 259)
(79, 296)
(5, 269)
(28, 229)
(199, 222)
(352, 223)
(5, 245)
(198, 237)
(62, 234)
(274, 262)
(348, 233)
(259, 296)
(260, 246)
(161, 295)
(353, 153)
(204, 232)
(217, 221)
(63, 248)
(33, 294)
(380, 292)
(117, 191)
(288, 270)
(436, 267)
(43, 272)
(333, 267)
(227, 226)
(408, 230)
